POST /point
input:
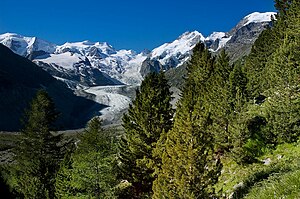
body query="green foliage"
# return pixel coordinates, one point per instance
(89, 172)
(239, 180)
(148, 119)
(282, 6)
(189, 166)
(283, 80)
(5, 190)
(255, 63)
(39, 151)
(264, 47)
(285, 182)
(251, 133)
(283, 116)
(285, 186)
(270, 107)
(238, 83)
(220, 100)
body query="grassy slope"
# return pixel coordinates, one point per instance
(259, 180)
(284, 186)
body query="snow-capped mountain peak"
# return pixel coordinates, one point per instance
(219, 39)
(190, 35)
(178, 48)
(26, 45)
(98, 63)
(216, 35)
(258, 17)
(85, 46)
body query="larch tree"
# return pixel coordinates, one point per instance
(39, 151)
(89, 172)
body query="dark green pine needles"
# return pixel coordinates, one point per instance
(190, 166)
(148, 119)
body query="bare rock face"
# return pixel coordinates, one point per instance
(149, 66)
(242, 38)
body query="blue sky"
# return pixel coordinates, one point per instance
(125, 24)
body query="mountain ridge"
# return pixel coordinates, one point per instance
(98, 63)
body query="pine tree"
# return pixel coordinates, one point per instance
(220, 99)
(271, 113)
(39, 152)
(190, 167)
(284, 100)
(89, 172)
(63, 185)
(268, 43)
(149, 116)
(238, 83)
(255, 63)
(282, 6)
(282, 77)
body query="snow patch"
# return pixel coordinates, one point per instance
(85, 46)
(65, 60)
(216, 35)
(258, 17)
(221, 36)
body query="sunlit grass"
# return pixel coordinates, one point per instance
(239, 180)
(285, 186)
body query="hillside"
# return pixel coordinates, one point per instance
(274, 175)
(19, 81)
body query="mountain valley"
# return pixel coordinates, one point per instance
(93, 67)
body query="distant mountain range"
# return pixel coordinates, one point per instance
(98, 63)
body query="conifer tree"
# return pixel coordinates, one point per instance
(282, 6)
(255, 63)
(283, 103)
(149, 117)
(271, 113)
(189, 165)
(267, 112)
(39, 152)
(268, 43)
(220, 99)
(282, 78)
(89, 173)
(238, 83)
